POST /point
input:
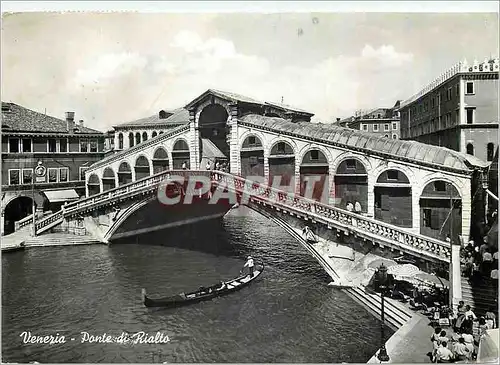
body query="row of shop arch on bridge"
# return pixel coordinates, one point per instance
(349, 187)
(134, 138)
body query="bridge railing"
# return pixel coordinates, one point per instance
(133, 188)
(395, 235)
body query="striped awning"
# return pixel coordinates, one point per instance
(55, 196)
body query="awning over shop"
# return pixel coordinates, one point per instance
(55, 196)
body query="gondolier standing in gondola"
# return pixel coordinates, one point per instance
(250, 265)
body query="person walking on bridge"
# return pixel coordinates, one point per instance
(250, 265)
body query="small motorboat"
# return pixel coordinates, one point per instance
(202, 294)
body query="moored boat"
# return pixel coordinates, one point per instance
(202, 294)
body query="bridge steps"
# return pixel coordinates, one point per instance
(480, 297)
(394, 316)
(59, 239)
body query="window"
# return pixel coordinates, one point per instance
(251, 140)
(386, 136)
(458, 90)
(392, 175)
(120, 140)
(457, 116)
(394, 136)
(394, 126)
(427, 218)
(14, 145)
(379, 116)
(470, 149)
(26, 145)
(93, 146)
(314, 154)
(469, 89)
(490, 151)
(144, 136)
(470, 115)
(281, 147)
(51, 145)
(137, 138)
(161, 132)
(63, 174)
(350, 164)
(364, 127)
(63, 145)
(438, 99)
(14, 176)
(131, 139)
(52, 172)
(448, 94)
(386, 127)
(433, 102)
(375, 127)
(27, 176)
(83, 145)
(82, 172)
(439, 186)
(154, 134)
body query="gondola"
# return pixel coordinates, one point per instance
(203, 293)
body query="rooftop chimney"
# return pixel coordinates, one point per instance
(80, 123)
(70, 121)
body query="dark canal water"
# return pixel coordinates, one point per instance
(288, 315)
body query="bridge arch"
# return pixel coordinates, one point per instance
(131, 139)
(315, 161)
(212, 125)
(124, 173)
(440, 204)
(142, 167)
(350, 182)
(93, 184)
(160, 160)
(252, 155)
(108, 179)
(282, 164)
(180, 153)
(393, 197)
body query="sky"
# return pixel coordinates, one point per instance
(111, 68)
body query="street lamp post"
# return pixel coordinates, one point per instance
(382, 284)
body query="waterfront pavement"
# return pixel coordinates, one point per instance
(23, 239)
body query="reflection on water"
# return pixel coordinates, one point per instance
(288, 315)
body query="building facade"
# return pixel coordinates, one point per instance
(458, 110)
(383, 122)
(64, 150)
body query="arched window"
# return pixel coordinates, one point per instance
(470, 149)
(490, 151)
(154, 134)
(137, 138)
(131, 139)
(120, 141)
(161, 132)
(144, 136)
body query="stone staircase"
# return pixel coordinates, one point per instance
(482, 296)
(59, 239)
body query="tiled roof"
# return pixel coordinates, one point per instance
(245, 99)
(16, 118)
(351, 138)
(178, 116)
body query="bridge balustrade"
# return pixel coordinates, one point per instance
(393, 235)
(122, 191)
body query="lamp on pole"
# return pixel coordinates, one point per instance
(382, 285)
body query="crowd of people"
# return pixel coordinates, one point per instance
(461, 343)
(480, 260)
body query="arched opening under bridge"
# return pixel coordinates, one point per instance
(94, 185)
(314, 175)
(393, 198)
(15, 210)
(124, 173)
(351, 185)
(282, 166)
(212, 125)
(252, 157)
